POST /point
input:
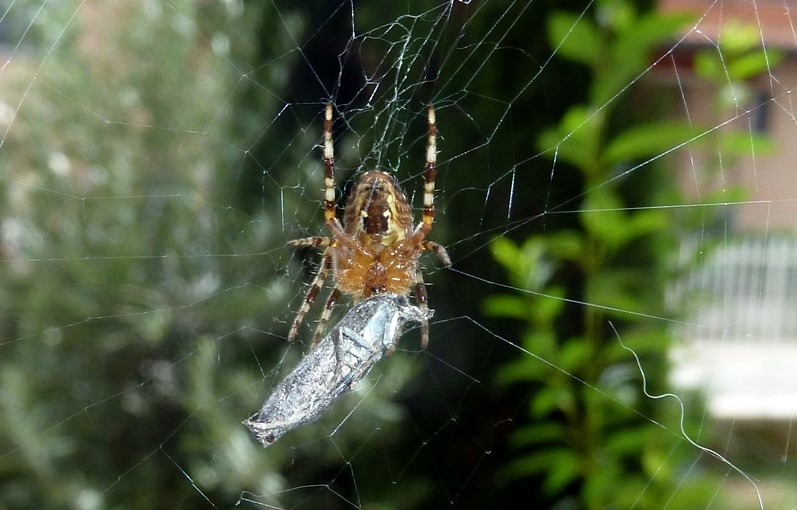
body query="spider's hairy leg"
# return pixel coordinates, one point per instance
(329, 168)
(430, 172)
(438, 250)
(330, 218)
(315, 287)
(310, 241)
(422, 299)
(429, 177)
(322, 322)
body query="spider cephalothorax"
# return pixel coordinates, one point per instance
(377, 211)
(376, 249)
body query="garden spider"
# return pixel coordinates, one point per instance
(376, 249)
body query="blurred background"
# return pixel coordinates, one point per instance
(615, 189)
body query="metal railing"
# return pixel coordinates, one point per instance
(737, 342)
(740, 289)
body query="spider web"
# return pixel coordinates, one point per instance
(157, 156)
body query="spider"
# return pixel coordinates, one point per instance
(376, 248)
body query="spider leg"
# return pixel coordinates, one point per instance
(429, 177)
(329, 166)
(315, 287)
(430, 173)
(425, 226)
(438, 250)
(330, 217)
(322, 322)
(310, 241)
(422, 299)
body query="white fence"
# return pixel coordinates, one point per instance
(743, 289)
(738, 342)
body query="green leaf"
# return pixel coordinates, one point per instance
(575, 354)
(563, 469)
(642, 341)
(630, 441)
(745, 143)
(575, 140)
(519, 371)
(644, 141)
(648, 222)
(552, 398)
(649, 31)
(549, 307)
(708, 66)
(505, 252)
(527, 265)
(753, 64)
(506, 305)
(574, 37)
(738, 37)
(528, 465)
(608, 485)
(565, 244)
(617, 291)
(537, 433)
(630, 55)
(534, 268)
(542, 343)
(527, 369)
(730, 194)
(603, 218)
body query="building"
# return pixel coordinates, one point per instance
(739, 344)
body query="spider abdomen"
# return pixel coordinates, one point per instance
(364, 273)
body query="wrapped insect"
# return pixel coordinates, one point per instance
(368, 332)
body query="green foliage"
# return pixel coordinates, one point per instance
(107, 278)
(728, 71)
(133, 296)
(739, 57)
(582, 435)
(144, 282)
